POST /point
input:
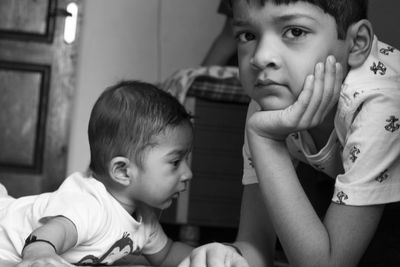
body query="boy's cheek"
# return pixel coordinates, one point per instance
(246, 82)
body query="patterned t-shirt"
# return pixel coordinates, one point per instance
(363, 151)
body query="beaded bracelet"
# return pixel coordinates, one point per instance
(32, 239)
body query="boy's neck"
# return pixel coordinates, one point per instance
(127, 204)
(321, 133)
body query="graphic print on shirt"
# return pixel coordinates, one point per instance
(382, 176)
(341, 196)
(354, 151)
(392, 126)
(387, 50)
(378, 68)
(117, 251)
(250, 162)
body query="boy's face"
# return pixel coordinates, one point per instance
(166, 168)
(279, 45)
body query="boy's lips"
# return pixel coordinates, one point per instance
(176, 195)
(266, 83)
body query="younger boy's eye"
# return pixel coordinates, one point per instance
(244, 37)
(175, 163)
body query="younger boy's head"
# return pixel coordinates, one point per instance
(280, 43)
(125, 120)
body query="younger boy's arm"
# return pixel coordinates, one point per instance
(171, 255)
(59, 234)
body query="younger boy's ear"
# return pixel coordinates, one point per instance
(121, 170)
(360, 35)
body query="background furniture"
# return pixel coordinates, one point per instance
(209, 210)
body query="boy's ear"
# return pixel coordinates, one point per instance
(360, 35)
(122, 171)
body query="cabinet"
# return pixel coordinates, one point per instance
(214, 195)
(215, 190)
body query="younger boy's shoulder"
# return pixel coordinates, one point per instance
(77, 178)
(79, 183)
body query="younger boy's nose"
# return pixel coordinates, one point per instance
(186, 174)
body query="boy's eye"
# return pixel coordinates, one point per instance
(244, 37)
(294, 33)
(175, 163)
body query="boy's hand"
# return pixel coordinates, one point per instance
(214, 255)
(318, 97)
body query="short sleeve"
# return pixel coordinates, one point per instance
(82, 209)
(371, 153)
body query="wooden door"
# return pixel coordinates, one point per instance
(37, 84)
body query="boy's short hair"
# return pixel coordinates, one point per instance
(345, 12)
(124, 120)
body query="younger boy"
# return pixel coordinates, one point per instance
(351, 135)
(140, 138)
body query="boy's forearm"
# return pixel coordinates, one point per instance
(298, 226)
(38, 250)
(54, 237)
(256, 235)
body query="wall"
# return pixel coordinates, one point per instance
(384, 15)
(135, 39)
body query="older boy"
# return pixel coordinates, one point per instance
(354, 139)
(140, 138)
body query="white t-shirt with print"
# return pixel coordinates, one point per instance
(106, 231)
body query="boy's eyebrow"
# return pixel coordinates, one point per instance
(289, 17)
(178, 152)
(277, 19)
(239, 23)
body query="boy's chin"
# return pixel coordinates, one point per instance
(270, 105)
(165, 205)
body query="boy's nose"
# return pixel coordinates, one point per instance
(266, 55)
(187, 173)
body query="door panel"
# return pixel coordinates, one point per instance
(27, 19)
(37, 83)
